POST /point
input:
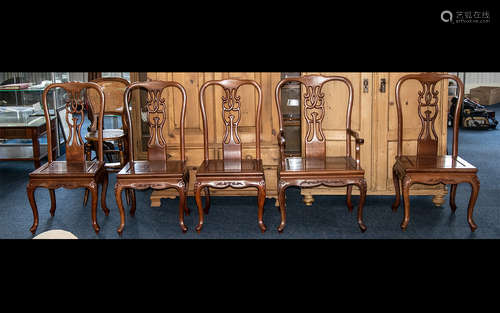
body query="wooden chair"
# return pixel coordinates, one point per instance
(315, 168)
(427, 167)
(156, 172)
(232, 170)
(75, 171)
(113, 88)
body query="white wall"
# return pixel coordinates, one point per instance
(476, 79)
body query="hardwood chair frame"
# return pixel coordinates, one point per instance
(232, 171)
(75, 172)
(157, 172)
(314, 171)
(427, 167)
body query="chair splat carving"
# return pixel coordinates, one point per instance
(74, 117)
(156, 107)
(314, 113)
(231, 115)
(428, 110)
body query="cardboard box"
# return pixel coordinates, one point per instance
(486, 95)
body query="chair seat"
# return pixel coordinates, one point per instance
(107, 134)
(329, 165)
(153, 169)
(444, 163)
(70, 169)
(230, 168)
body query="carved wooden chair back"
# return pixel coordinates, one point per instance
(314, 112)
(113, 88)
(231, 116)
(428, 109)
(74, 102)
(157, 117)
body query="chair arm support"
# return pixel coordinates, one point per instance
(358, 142)
(356, 136)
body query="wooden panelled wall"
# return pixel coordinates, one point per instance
(374, 117)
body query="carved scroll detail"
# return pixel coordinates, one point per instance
(428, 110)
(430, 100)
(74, 118)
(157, 117)
(231, 116)
(314, 113)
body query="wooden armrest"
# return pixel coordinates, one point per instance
(356, 136)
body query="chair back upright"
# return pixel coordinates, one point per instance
(74, 104)
(157, 110)
(231, 117)
(314, 113)
(428, 109)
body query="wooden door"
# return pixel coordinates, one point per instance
(334, 124)
(385, 142)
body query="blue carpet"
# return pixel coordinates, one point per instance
(236, 217)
